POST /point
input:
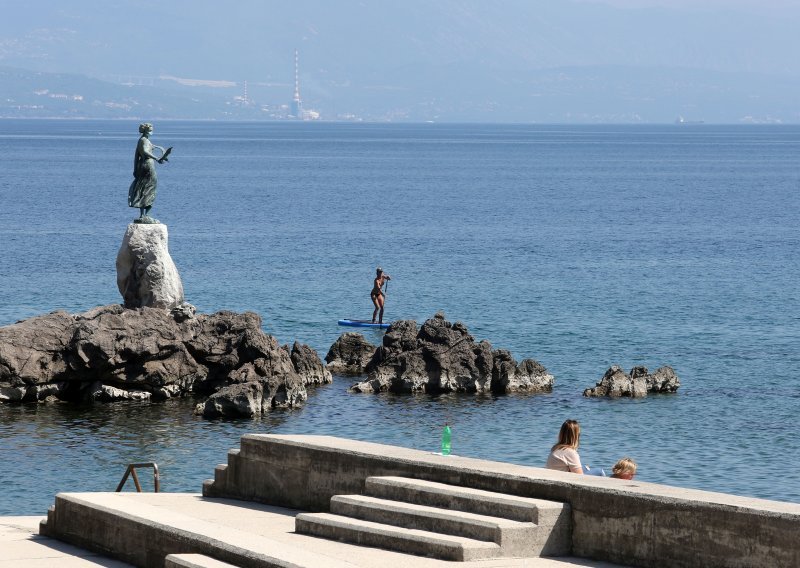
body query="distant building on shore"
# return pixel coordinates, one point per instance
(296, 109)
(681, 120)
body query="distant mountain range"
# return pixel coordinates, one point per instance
(593, 94)
(31, 94)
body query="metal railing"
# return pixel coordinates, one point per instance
(132, 472)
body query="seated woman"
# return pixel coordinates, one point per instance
(624, 469)
(564, 455)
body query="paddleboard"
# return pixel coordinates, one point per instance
(362, 323)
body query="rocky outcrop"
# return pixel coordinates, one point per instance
(617, 383)
(307, 363)
(256, 396)
(444, 357)
(146, 275)
(111, 353)
(638, 383)
(350, 354)
(528, 376)
(662, 380)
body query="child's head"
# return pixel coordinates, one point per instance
(624, 469)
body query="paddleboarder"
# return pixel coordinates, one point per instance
(378, 295)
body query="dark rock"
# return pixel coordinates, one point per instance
(13, 394)
(616, 383)
(241, 399)
(401, 336)
(529, 375)
(254, 397)
(374, 385)
(111, 353)
(33, 348)
(45, 393)
(307, 363)
(663, 380)
(350, 354)
(444, 357)
(185, 311)
(142, 349)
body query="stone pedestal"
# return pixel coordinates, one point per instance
(146, 275)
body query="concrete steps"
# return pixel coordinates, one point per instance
(443, 521)
(379, 535)
(129, 528)
(458, 498)
(421, 517)
(193, 561)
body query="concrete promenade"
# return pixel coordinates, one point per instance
(626, 522)
(292, 501)
(22, 547)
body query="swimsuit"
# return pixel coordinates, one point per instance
(376, 291)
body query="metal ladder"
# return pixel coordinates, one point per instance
(131, 471)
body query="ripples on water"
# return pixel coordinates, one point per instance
(579, 246)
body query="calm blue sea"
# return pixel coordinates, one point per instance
(578, 246)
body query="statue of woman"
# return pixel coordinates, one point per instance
(142, 192)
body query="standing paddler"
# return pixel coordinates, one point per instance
(378, 295)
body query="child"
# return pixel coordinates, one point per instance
(624, 469)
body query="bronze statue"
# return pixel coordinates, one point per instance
(142, 192)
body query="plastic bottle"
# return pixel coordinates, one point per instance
(446, 440)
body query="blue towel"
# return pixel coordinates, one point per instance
(593, 471)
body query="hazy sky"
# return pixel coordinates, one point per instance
(709, 5)
(474, 54)
(185, 36)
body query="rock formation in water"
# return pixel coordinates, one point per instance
(146, 275)
(350, 354)
(111, 353)
(638, 383)
(444, 357)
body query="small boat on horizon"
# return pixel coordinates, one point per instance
(681, 120)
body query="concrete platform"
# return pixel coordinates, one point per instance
(263, 523)
(443, 521)
(625, 522)
(22, 547)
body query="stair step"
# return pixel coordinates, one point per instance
(379, 535)
(194, 561)
(433, 519)
(126, 526)
(434, 494)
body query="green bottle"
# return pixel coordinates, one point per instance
(446, 440)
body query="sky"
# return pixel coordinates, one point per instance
(458, 56)
(201, 36)
(93, 35)
(760, 6)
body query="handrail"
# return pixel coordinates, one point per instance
(132, 471)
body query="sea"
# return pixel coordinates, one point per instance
(581, 247)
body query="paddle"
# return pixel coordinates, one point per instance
(385, 290)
